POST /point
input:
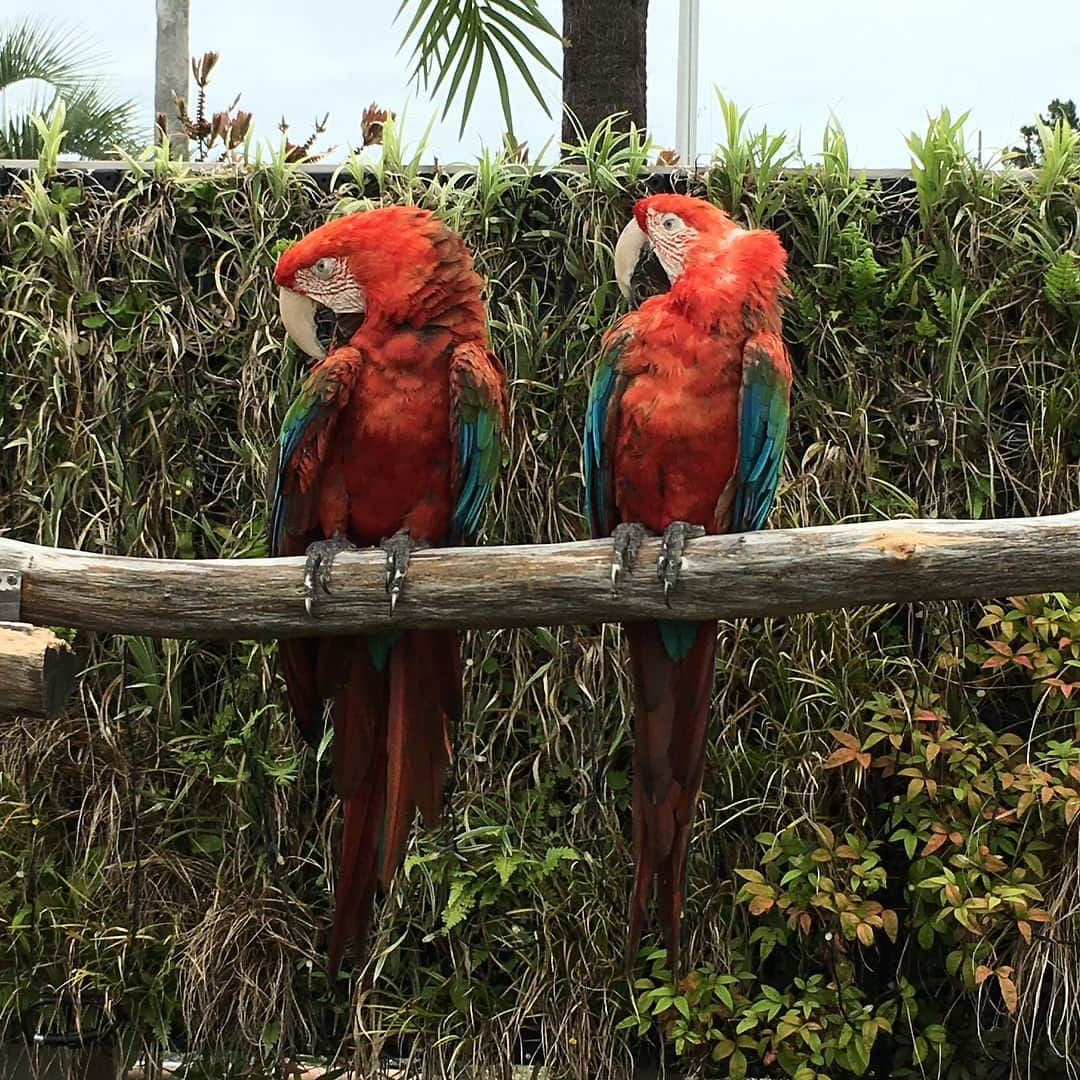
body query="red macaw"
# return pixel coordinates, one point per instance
(395, 440)
(684, 435)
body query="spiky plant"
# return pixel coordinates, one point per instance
(42, 63)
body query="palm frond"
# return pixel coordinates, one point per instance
(452, 38)
(56, 61)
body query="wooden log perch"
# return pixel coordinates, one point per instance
(37, 670)
(776, 572)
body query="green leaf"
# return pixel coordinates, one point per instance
(737, 1066)
(209, 843)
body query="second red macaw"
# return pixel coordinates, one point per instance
(394, 440)
(685, 434)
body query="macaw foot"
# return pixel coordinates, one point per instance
(320, 561)
(399, 549)
(626, 540)
(671, 553)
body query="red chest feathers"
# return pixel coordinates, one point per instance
(390, 460)
(677, 439)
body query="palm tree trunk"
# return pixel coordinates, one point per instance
(171, 71)
(603, 62)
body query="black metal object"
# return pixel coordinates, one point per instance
(75, 1037)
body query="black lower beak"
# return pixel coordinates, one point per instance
(346, 325)
(648, 277)
(334, 330)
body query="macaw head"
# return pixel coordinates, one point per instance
(666, 234)
(366, 267)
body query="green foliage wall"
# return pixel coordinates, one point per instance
(885, 868)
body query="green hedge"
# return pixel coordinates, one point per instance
(885, 866)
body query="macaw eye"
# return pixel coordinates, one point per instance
(324, 268)
(670, 223)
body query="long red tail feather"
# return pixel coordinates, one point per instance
(299, 658)
(359, 768)
(391, 753)
(670, 731)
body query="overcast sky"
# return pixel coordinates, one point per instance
(879, 68)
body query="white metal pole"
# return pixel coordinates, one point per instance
(686, 90)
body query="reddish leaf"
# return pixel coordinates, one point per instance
(1008, 991)
(845, 738)
(839, 757)
(933, 843)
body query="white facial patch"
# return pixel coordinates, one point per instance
(670, 236)
(329, 282)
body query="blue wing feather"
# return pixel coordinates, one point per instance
(763, 424)
(595, 464)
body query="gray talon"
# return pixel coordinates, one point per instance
(320, 562)
(399, 549)
(626, 542)
(671, 552)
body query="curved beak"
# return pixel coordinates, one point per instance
(637, 269)
(298, 315)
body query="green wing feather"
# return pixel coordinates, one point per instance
(478, 418)
(311, 416)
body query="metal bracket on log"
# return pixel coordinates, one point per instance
(10, 594)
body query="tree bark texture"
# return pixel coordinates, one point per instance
(603, 62)
(37, 670)
(776, 572)
(173, 61)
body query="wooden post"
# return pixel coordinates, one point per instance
(37, 670)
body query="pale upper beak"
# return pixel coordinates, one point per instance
(298, 315)
(637, 269)
(627, 252)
